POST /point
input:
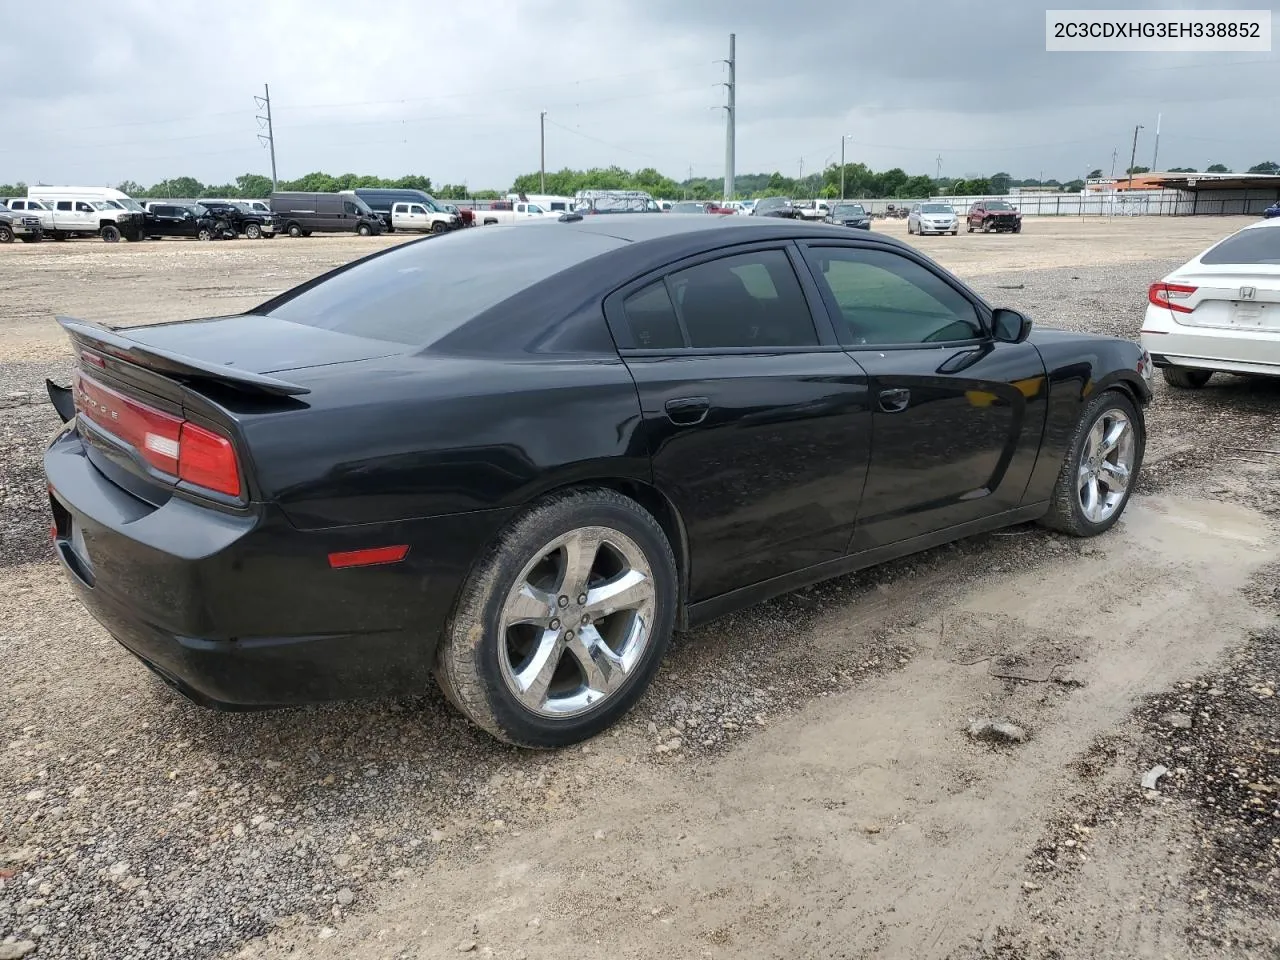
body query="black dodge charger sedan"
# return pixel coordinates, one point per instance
(519, 458)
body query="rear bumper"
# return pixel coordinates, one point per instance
(241, 610)
(1209, 348)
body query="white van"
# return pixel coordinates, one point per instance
(548, 202)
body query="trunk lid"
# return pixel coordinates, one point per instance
(258, 344)
(1243, 298)
(159, 408)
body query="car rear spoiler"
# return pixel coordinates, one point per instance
(94, 336)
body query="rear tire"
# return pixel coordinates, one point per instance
(110, 234)
(6, 233)
(507, 620)
(1092, 474)
(1186, 378)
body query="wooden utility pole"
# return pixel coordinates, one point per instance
(542, 152)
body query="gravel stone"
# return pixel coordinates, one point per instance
(997, 731)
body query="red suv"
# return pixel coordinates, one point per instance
(988, 215)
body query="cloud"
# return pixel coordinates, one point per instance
(147, 89)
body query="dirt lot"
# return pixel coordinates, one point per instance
(799, 782)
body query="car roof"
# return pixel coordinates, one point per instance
(649, 227)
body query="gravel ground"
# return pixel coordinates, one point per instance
(135, 825)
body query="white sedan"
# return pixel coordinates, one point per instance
(1220, 311)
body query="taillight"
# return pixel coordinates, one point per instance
(1167, 294)
(174, 446)
(208, 460)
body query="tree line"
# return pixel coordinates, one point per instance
(255, 186)
(859, 182)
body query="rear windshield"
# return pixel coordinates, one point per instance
(1254, 245)
(420, 292)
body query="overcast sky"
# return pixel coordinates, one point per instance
(96, 93)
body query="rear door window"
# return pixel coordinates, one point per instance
(652, 318)
(744, 301)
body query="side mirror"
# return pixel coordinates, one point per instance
(1009, 326)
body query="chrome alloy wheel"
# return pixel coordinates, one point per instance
(1106, 465)
(576, 622)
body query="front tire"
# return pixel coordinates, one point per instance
(1100, 468)
(6, 233)
(110, 234)
(204, 233)
(364, 230)
(295, 231)
(970, 224)
(252, 231)
(563, 622)
(1186, 378)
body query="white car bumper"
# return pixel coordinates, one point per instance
(1209, 348)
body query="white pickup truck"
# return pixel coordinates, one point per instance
(814, 209)
(510, 212)
(61, 219)
(418, 216)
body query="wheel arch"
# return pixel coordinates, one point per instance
(659, 506)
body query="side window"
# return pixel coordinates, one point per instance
(350, 207)
(652, 318)
(401, 208)
(885, 298)
(64, 205)
(82, 207)
(18, 205)
(751, 300)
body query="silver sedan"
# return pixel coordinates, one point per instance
(933, 218)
